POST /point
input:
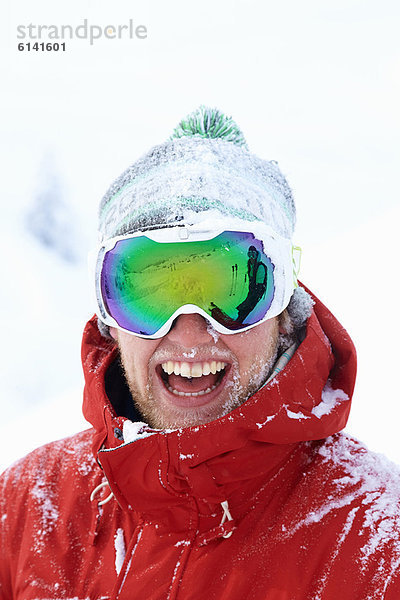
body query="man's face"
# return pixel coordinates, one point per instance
(210, 374)
(252, 254)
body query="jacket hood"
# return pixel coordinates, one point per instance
(308, 400)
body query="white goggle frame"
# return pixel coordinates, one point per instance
(279, 249)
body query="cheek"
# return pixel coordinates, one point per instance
(258, 338)
(255, 346)
(136, 353)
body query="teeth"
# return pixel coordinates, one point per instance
(206, 368)
(169, 367)
(185, 370)
(197, 370)
(193, 369)
(201, 393)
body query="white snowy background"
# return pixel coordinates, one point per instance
(314, 85)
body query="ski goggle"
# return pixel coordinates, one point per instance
(234, 279)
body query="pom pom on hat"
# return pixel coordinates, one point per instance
(210, 123)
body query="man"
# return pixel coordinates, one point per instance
(257, 274)
(214, 468)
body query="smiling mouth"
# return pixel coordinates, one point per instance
(191, 380)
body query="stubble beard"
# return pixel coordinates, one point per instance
(152, 411)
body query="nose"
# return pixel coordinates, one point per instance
(190, 331)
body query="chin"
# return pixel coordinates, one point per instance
(161, 409)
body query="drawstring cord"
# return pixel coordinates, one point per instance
(98, 513)
(226, 516)
(224, 529)
(97, 489)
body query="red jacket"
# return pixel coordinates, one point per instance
(257, 505)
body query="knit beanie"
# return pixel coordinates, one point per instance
(204, 171)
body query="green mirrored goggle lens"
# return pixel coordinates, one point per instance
(144, 282)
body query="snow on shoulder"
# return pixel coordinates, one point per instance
(351, 497)
(329, 400)
(376, 480)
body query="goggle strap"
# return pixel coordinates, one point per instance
(296, 257)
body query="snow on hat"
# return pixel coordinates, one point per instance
(204, 170)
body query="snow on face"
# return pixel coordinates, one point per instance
(213, 332)
(249, 356)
